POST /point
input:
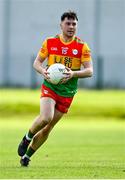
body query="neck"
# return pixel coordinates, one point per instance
(66, 38)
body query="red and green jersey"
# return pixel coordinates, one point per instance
(71, 54)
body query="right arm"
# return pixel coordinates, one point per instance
(41, 56)
(37, 65)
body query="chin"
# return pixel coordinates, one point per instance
(70, 35)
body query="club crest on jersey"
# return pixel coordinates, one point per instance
(64, 50)
(75, 51)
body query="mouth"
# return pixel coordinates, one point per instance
(70, 32)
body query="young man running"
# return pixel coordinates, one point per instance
(55, 100)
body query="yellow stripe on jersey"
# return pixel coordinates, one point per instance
(44, 50)
(71, 62)
(86, 53)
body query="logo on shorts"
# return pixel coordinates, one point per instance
(75, 51)
(45, 92)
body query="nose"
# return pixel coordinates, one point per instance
(71, 25)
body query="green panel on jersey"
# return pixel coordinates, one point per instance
(67, 90)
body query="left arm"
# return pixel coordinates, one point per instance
(86, 61)
(86, 72)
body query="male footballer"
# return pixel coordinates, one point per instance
(65, 48)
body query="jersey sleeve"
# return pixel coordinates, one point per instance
(86, 53)
(44, 50)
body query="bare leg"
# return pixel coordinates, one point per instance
(47, 107)
(41, 127)
(42, 135)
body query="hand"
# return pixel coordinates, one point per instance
(45, 74)
(67, 75)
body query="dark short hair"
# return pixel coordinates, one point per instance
(69, 15)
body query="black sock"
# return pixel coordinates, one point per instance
(29, 136)
(30, 152)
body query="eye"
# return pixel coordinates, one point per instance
(74, 24)
(68, 23)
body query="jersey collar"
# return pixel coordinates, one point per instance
(66, 43)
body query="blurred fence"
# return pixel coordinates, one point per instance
(25, 24)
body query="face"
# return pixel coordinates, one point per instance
(69, 27)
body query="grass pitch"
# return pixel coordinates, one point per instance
(82, 145)
(75, 149)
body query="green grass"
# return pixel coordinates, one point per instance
(75, 149)
(88, 143)
(106, 103)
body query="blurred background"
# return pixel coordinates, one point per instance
(89, 142)
(26, 23)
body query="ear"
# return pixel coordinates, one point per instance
(61, 25)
